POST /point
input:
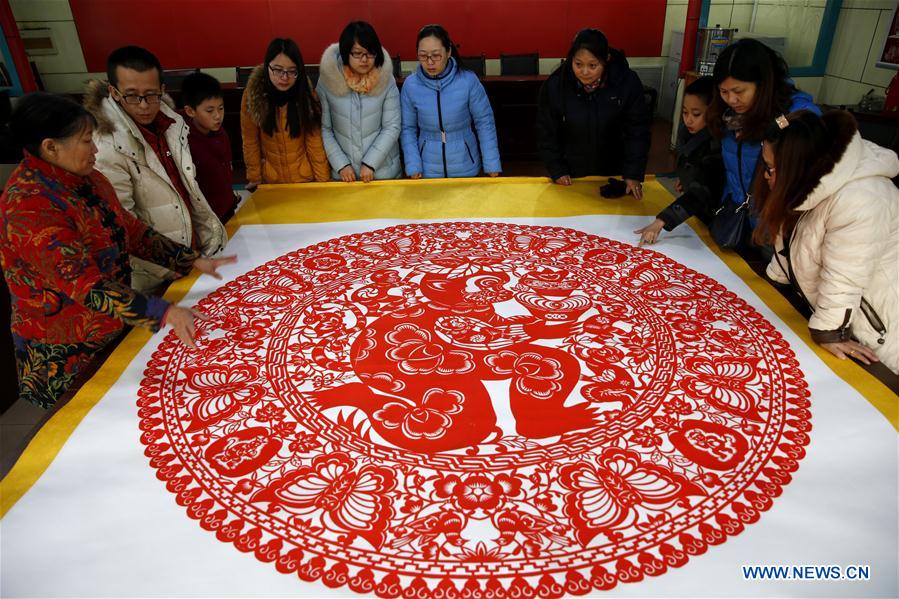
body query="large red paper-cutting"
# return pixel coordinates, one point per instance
(345, 422)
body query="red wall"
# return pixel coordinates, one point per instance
(224, 33)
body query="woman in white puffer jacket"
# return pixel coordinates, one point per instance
(360, 107)
(833, 213)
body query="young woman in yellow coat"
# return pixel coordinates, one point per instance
(280, 121)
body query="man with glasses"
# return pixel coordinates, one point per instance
(144, 152)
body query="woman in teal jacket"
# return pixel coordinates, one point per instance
(439, 103)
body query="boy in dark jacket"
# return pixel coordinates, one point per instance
(209, 143)
(700, 169)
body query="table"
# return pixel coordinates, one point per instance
(827, 505)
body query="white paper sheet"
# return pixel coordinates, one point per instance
(99, 523)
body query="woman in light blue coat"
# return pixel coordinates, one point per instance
(360, 107)
(439, 102)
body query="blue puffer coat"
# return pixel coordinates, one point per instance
(732, 152)
(359, 128)
(437, 138)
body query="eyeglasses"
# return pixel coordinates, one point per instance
(769, 170)
(284, 73)
(430, 57)
(135, 99)
(362, 55)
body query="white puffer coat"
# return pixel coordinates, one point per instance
(844, 250)
(356, 127)
(143, 186)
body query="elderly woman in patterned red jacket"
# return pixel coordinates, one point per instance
(64, 246)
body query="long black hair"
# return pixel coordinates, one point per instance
(802, 156)
(752, 61)
(304, 113)
(440, 33)
(41, 116)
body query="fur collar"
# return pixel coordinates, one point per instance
(96, 92)
(830, 171)
(257, 98)
(331, 73)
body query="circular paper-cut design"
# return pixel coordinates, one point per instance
(475, 408)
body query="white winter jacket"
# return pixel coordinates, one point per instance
(143, 186)
(844, 250)
(359, 128)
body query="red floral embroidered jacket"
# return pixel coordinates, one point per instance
(64, 246)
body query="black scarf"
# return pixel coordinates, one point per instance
(276, 99)
(690, 142)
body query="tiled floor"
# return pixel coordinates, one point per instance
(22, 419)
(16, 426)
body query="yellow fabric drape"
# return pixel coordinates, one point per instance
(510, 197)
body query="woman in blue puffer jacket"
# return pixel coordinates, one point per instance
(360, 107)
(439, 103)
(753, 90)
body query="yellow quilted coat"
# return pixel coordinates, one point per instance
(277, 158)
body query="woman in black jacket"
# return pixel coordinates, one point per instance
(592, 118)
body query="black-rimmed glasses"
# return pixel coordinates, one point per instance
(282, 73)
(135, 99)
(435, 58)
